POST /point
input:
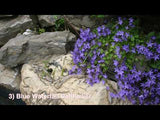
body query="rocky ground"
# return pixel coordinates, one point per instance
(36, 65)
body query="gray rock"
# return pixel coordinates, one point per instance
(9, 28)
(48, 20)
(83, 21)
(9, 78)
(138, 65)
(6, 16)
(74, 91)
(35, 21)
(22, 49)
(67, 89)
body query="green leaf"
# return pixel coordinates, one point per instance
(142, 62)
(151, 34)
(100, 16)
(100, 76)
(105, 68)
(129, 66)
(136, 59)
(102, 51)
(104, 58)
(55, 17)
(103, 65)
(110, 50)
(41, 30)
(91, 54)
(129, 61)
(106, 53)
(123, 54)
(107, 62)
(112, 47)
(95, 62)
(136, 36)
(132, 38)
(114, 56)
(89, 66)
(155, 65)
(110, 56)
(158, 38)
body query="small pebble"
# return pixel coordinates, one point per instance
(39, 69)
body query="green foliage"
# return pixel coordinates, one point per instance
(41, 30)
(155, 64)
(45, 62)
(97, 16)
(59, 24)
(122, 45)
(137, 38)
(53, 73)
(44, 74)
(63, 70)
(55, 17)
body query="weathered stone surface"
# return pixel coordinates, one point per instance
(67, 89)
(9, 28)
(6, 16)
(47, 20)
(138, 63)
(60, 66)
(83, 21)
(23, 48)
(74, 91)
(9, 78)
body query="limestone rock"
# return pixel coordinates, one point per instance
(74, 91)
(60, 66)
(9, 28)
(48, 20)
(9, 78)
(22, 49)
(83, 21)
(70, 90)
(6, 16)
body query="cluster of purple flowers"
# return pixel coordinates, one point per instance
(103, 31)
(138, 86)
(118, 52)
(121, 22)
(121, 36)
(150, 54)
(83, 46)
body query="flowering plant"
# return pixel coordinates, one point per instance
(121, 44)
